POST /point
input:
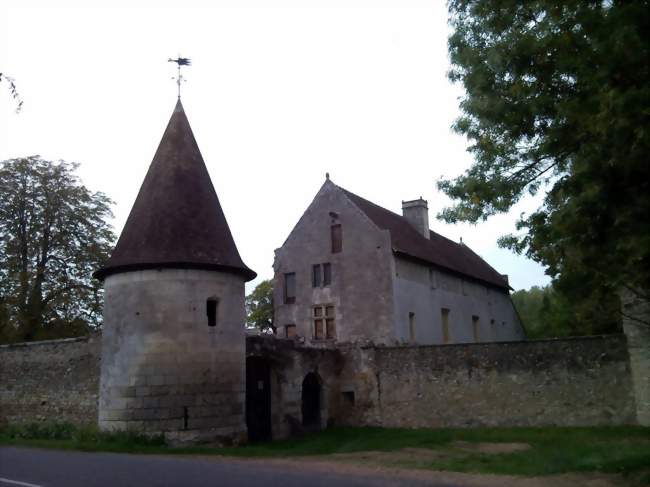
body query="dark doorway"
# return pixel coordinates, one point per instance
(258, 399)
(311, 401)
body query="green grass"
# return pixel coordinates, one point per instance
(623, 449)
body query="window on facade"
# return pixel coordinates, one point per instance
(348, 398)
(433, 278)
(290, 288)
(412, 327)
(324, 322)
(211, 311)
(322, 275)
(475, 327)
(316, 275)
(493, 328)
(327, 274)
(444, 314)
(330, 325)
(337, 238)
(290, 331)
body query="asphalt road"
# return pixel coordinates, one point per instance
(31, 467)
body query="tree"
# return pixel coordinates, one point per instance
(259, 307)
(547, 313)
(53, 235)
(558, 99)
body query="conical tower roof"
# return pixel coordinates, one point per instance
(176, 221)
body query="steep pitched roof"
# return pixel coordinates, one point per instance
(176, 220)
(437, 250)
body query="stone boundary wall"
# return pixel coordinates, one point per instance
(53, 380)
(567, 382)
(564, 382)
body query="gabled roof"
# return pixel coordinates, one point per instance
(437, 250)
(176, 220)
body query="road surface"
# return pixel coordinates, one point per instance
(31, 467)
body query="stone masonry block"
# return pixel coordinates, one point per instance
(142, 391)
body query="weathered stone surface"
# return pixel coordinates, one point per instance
(161, 359)
(581, 381)
(571, 382)
(55, 380)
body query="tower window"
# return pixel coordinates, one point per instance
(211, 306)
(337, 238)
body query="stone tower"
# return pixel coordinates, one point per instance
(173, 344)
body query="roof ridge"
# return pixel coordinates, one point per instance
(437, 250)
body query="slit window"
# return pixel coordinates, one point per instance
(337, 238)
(475, 327)
(211, 307)
(290, 288)
(412, 327)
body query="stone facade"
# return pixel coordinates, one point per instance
(377, 295)
(355, 293)
(164, 369)
(55, 380)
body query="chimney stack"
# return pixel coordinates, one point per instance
(417, 213)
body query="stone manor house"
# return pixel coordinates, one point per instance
(352, 271)
(381, 322)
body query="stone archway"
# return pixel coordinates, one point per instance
(311, 401)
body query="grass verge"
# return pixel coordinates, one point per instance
(623, 449)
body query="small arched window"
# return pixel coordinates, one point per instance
(211, 308)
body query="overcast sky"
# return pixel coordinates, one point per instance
(278, 94)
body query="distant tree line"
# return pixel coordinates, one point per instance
(547, 312)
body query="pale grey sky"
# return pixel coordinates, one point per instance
(279, 93)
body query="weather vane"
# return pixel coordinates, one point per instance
(180, 61)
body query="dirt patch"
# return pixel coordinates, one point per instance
(490, 448)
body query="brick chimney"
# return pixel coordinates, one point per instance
(417, 213)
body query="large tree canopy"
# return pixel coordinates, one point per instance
(53, 235)
(558, 99)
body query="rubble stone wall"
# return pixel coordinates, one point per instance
(54, 380)
(568, 382)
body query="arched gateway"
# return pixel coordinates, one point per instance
(311, 404)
